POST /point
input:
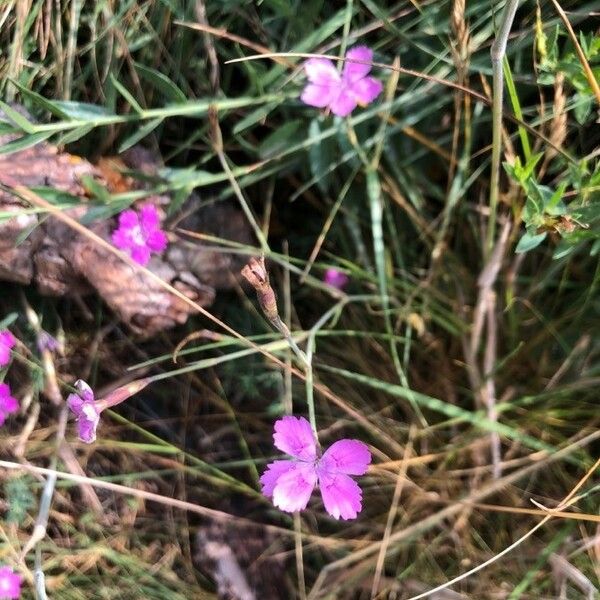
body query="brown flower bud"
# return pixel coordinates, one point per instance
(256, 274)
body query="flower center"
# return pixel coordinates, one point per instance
(137, 236)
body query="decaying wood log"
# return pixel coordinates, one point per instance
(41, 250)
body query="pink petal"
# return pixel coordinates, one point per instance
(4, 355)
(318, 95)
(366, 90)
(8, 404)
(10, 583)
(346, 456)
(149, 217)
(74, 402)
(84, 390)
(87, 423)
(341, 496)
(294, 436)
(344, 104)
(322, 72)
(157, 241)
(121, 239)
(128, 219)
(141, 255)
(336, 279)
(354, 71)
(293, 489)
(7, 341)
(274, 471)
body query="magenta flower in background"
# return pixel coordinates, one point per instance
(84, 405)
(139, 234)
(336, 279)
(10, 584)
(7, 342)
(291, 482)
(8, 404)
(341, 93)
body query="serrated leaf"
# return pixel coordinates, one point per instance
(530, 241)
(140, 134)
(162, 83)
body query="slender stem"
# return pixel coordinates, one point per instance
(498, 52)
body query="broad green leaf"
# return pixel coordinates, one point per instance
(83, 110)
(529, 241)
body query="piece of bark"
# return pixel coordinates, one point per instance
(43, 251)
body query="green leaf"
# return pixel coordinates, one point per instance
(27, 141)
(83, 110)
(140, 134)
(320, 156)
(127, 95)
(529, 241)
(95, 189)
(74, 134)
(17, 118)
(36, 98)
(280, 139)
(162, 83)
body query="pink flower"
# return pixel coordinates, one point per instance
(291, 482)
(87, 409)
(7, 342)
(341, 93)
(140, 233)
(8, 404)
(84, 405)
(336, 279)
(10, 584)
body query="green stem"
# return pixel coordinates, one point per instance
(498, 52)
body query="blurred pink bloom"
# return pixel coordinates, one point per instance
(7, 342)
(140, 233)
(86, 410)
(10, 584)
(8, 404)
(45, 341)
(341, 93)
(336, 279)
(291, 482)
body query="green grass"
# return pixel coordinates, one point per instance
(397, 197)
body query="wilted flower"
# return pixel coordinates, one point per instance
(87, 409)
(341, 93)
(7, 342)
(10, 584)
(291, 482)
(8, 404)
(140, 233)
(84, 405)
(336, 279)
(45, 341)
